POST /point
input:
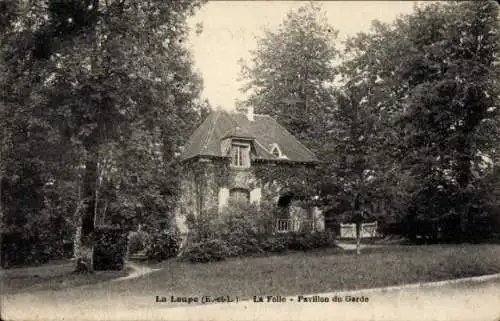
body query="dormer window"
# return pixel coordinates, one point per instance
(240, 155)
(276, 151)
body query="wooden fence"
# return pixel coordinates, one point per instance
(367, 230)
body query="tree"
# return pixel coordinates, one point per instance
(291, 74)
(431, 77)
(352, 176)
(94, 72)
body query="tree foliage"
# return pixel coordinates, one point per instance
(432, 79)
(291, 74)
(94, 84)
(412, 130)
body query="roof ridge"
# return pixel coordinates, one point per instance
(211, 130)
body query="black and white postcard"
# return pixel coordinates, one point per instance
(249, 160)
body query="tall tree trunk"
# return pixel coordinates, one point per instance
(463, 179)
(77, 240)
(358, 238)
(358, 221)
(90, 176)
(1, 207)
(3, 165)
(88, 213)
(77, 219)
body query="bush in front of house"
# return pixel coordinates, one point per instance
(242, 230)
(209, 251)
(110, 248)
(236, 225)
(321, 240)
(298, 241)
(241, 226)
(274, 243)
(236, 231)
(162, 244)
(220, 248)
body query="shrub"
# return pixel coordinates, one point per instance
(244, 230)
(18, 249)
(208, 251)
(110, 248)
(273, 243)
(241, 226)
(321, 240)
(234, 232)
(392, 227)
(68, 249)
(136, 242)
(297, 241)
(161, 245)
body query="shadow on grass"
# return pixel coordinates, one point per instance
(32, 283)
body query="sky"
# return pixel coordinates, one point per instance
(230, 29)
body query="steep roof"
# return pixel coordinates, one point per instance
(264, 131)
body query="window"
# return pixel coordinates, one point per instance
(240, 154)
(239, 195)
(276, 151)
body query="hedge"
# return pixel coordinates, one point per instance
(17, 249)
(110, 248)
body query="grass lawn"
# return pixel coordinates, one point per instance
(295, 273)
(315, 272)
(54, 277)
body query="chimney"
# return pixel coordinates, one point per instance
(250, 113)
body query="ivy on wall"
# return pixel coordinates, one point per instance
(205, 176)
(295, 178)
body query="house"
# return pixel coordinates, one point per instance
(221, 162)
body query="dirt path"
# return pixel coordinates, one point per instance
(138, 270)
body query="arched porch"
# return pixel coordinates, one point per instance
(297, 214)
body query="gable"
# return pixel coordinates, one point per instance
(264, 132)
